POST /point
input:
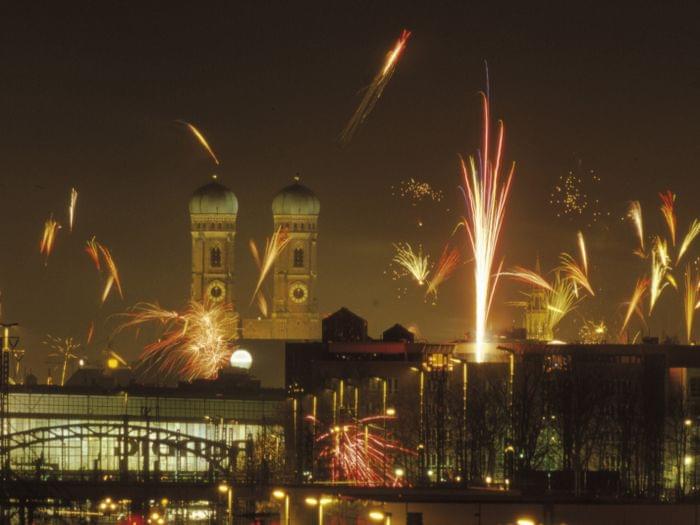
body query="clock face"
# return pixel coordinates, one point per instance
(216, 291)
(298, 292)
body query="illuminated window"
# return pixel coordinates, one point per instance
(298, 258)
(215, 257)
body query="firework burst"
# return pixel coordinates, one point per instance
(633, 305)
(668, 199)
(412, 263)
(48, 238)
(195, 343)
(660, 278)
(693, 232)
(446, 265)
(65, 348)
(593, 333)
(375, 90)
(359, 453)
(113, 278)
(690, 300)
(486, 196)
(274, 246)
(417, 191)
(527, 276)
(634, 213)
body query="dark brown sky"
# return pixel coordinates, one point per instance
(89, 93)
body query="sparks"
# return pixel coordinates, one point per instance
(48, 238)
(65, 349)
(575, 272)
(71, 208)
(486, 197)
(635, 214)
(668, 200)
(195, 343)
(274, 246)
(91, 248)
(375, 90)
(359, 451)
(659, 272)
(690, 300)
(113, 278)
(446, 265)
(633, 304)
(693, 232)
(202, 140)
(529, 277)
(412, 263)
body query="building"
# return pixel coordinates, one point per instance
(293, 314)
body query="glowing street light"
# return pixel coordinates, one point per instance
(225, 488)
(320, 503)
(280, 494)
(379, 516)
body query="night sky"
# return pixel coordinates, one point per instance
(89, 96)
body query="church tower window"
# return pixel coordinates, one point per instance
(215, 257)
(298, 258)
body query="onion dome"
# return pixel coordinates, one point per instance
(213, 199)
(296, 199)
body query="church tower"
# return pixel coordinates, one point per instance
(213, 210)
(296, 209)
(536, 313)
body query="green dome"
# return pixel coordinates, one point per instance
(296, 199)
(212, 199)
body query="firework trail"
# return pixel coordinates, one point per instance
(92, 249)
(528, 277)
(446, 265)
(660, 278)
(202, 140)
(693, 232)
(413, 263)
(359, 453)
(90, 333)
(273, 248)
(561, 301)
(375, 90)
(690, 300)
(262, 304)
(63, 348)
(48, 238)
(195, 343)
(635, 214)
(113, 278)
(486, 197)
(71, 208)
(634, 303)
(575, 272)
(582, 251)
(668, 200)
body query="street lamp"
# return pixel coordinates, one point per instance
(225, 488)
(280, 494)
(380, 516)
(320, 503)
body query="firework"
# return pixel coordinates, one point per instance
(690, 300)
(71, 208)
(660, 278)
(359, 452)
(113, 278)
(693, 232)
(446, 265)
(195, 343)
(65, 349)
(417, 191)
(593, 333)
(273, 248)
(486, 196)
(529, 277)
(90, 333)
(375, 90)
(668, 200)
(575, 272)
(92, 249)
(202, 140)
(262, 304)
(635, 214)
(582, 251)
(48, 238)
(560, 301)
(571, 196)
(412, 263)
(633, 305)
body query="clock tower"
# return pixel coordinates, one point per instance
(295, 209)
(213, 211)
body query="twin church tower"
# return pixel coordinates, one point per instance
(293, 313)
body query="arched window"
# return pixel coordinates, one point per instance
(298, 258)
(215, 257)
